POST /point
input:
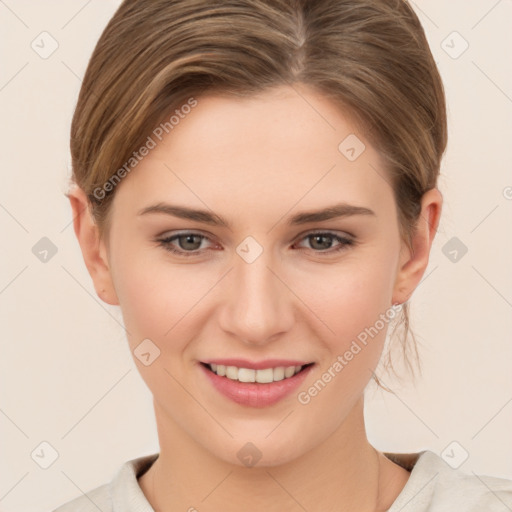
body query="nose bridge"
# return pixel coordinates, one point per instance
(257, 306)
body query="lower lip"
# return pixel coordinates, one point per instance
(254, 394)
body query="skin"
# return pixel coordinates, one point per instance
(256, 162)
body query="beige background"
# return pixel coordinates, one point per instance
(67, 377)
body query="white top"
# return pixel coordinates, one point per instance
(432, 487)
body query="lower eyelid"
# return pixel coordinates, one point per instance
(343, 242)
(166, 242)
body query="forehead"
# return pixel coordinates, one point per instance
(270, 150)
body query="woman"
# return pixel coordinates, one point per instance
(255, 185)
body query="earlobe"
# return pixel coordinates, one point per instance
(93, 247)
(414, 261)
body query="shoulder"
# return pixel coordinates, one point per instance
(434, 486)
(122, 494)
(98, 498)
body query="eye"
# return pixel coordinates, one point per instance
(189, 244)
(321, 242)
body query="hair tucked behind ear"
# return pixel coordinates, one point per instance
(370, 57)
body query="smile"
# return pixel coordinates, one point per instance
(262, 376)
(269, 383)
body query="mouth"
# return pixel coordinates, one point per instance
(255, 383)
(261, 375)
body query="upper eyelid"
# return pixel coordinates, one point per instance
(172, 234)
(297, 237)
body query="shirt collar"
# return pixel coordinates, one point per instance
(125, 491)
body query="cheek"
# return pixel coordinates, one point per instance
(157, 303)
(353, 304)
(350, 299)
(158, 299)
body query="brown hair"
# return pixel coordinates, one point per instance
(370, 57)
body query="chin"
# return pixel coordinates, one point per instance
(259, 452)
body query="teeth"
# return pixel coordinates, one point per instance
(246, 375)
(279, 373)
(232, 372)
(289, 371)
(263, 376)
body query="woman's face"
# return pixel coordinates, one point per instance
(262, 286)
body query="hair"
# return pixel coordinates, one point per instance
(369, 57)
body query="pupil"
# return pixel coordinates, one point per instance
(324, 245)
(189, 239)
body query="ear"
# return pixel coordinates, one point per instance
(94, 250)
(413, 263)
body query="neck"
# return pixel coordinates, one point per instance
(342, 473)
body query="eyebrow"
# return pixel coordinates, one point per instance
(208, 217)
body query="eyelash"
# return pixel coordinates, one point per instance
(344, 243)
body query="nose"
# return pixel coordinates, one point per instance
(258, 306)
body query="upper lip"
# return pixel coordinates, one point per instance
(257, 365)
